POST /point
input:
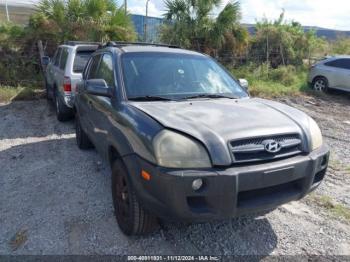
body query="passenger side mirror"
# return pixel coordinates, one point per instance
(45, 60)
(98, 87)
(244, 83)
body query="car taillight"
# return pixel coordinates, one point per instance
(67, 86)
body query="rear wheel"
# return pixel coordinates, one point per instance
(131, 217)
(82, 139)
(63, 112)
(320, 84)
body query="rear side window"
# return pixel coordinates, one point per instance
(80, 60)
(93, 67)
(105, 70)
(57, 57)
(64, 57)
(339, 63)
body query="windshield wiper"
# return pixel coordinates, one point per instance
(149, 98)
(209, 96)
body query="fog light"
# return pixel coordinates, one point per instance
(197, 184)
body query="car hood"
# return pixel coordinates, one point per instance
(215, 122)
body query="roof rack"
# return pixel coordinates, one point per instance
(74, 43)
(122, 44)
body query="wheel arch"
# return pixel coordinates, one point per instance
(320, 76)
(113, 154)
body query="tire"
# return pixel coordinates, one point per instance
(63, 112)
(320, 84)
(81, 137)
(131, 217)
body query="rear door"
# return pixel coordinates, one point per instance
(50, 70)
(55, 66)
(60, 69)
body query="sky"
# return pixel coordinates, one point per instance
(334, 14)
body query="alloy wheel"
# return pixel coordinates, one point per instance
(320, 85)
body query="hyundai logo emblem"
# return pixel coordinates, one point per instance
(272, 146)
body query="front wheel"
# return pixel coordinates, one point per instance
(131, 217)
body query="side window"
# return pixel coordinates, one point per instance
(339, 63)
(64, 57)
(54, 57)
(105, 70)
(347, 63)
(58, 56)
(93, 67)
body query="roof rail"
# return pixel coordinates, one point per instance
(122, 44)
(74, 43)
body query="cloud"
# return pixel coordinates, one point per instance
(155, 7)
(320, 13)
(308, 12)
(323, 13)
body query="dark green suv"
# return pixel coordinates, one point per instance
(186, 142)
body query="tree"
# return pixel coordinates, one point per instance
(93, 20)
(191, 24)
(282, 43)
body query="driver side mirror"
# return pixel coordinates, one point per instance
(244, 83)
(98, 87)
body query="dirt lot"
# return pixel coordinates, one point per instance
(56, 199)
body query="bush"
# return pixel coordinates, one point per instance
(286, 75)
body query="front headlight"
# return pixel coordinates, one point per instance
(178, 151)
(316, 135)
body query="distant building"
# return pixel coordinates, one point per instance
(153, 26)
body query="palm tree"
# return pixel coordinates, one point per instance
(191, 23)
(94, 20)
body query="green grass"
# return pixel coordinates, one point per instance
(9, 93)
(268, 88)
(336, 209)
(269, 82)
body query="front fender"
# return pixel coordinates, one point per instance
(132, 132)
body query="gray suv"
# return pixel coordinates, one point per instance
(331, 73)
(62, 74)
(186, 142)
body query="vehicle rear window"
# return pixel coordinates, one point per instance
(81, 58)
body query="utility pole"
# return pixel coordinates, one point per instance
(126, 6)
(7, 11)
(145, 22)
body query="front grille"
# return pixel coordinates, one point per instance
(253, 149)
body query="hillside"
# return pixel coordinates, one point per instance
(329, 34)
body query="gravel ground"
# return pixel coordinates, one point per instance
(56, 199)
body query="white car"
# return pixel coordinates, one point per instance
(63, 72)
(331, 73)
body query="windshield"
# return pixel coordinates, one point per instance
(176, 76)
